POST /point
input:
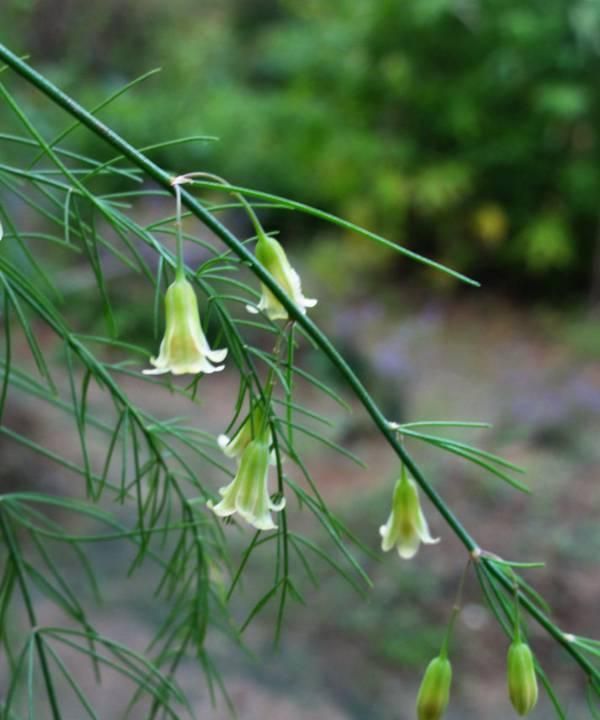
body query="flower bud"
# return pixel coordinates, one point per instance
(522, 681)
(434, 692)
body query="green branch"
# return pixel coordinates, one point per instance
(162, 178)
(13, 551)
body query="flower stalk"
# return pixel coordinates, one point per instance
(180, 266)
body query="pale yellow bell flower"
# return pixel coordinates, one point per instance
(248, 430)
(270, 254)
(248, 493)
(406, 527)
(184, 348)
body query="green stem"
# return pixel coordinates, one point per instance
(456, 608)
(180, 271)
(290, 379)
(449, 631)
(39, 644)
(517, 619)
(161, 177)
(258, 228)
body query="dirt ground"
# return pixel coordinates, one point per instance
(536, 378)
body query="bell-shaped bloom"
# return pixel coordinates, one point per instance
(184, 348)
(522, 681)
(270, 254)
(234, 446)
(406, 527)
(434, 692)
(248, 493)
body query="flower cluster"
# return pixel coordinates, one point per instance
(248, 493)
(185, 349)
(434, 693)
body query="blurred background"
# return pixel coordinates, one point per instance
(467, 131)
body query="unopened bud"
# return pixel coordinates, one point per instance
(522, 681)
(434, 692)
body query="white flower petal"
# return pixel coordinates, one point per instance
(277, 506)
(222, 509)
(293, 280)
(155, 371)
(387, 538)
(207, 368)
(408, 546)
(264, 522)
(223, 441)
(424, 532)
(217, 356)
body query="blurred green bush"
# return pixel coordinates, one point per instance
(464, 129)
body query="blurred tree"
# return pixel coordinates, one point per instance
(465, 129)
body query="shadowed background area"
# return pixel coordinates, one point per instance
(464, 130)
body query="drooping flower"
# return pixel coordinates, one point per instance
(270, 254)
(184, 348)
(248, 430)
(406, 527)
(248, 493)
(522, 681)
(434, 692)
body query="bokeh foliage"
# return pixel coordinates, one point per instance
(465, 130)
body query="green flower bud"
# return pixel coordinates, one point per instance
(434, 692)
(522, 681)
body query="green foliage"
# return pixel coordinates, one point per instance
(149, 488)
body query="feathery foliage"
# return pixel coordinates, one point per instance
(147, 494)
